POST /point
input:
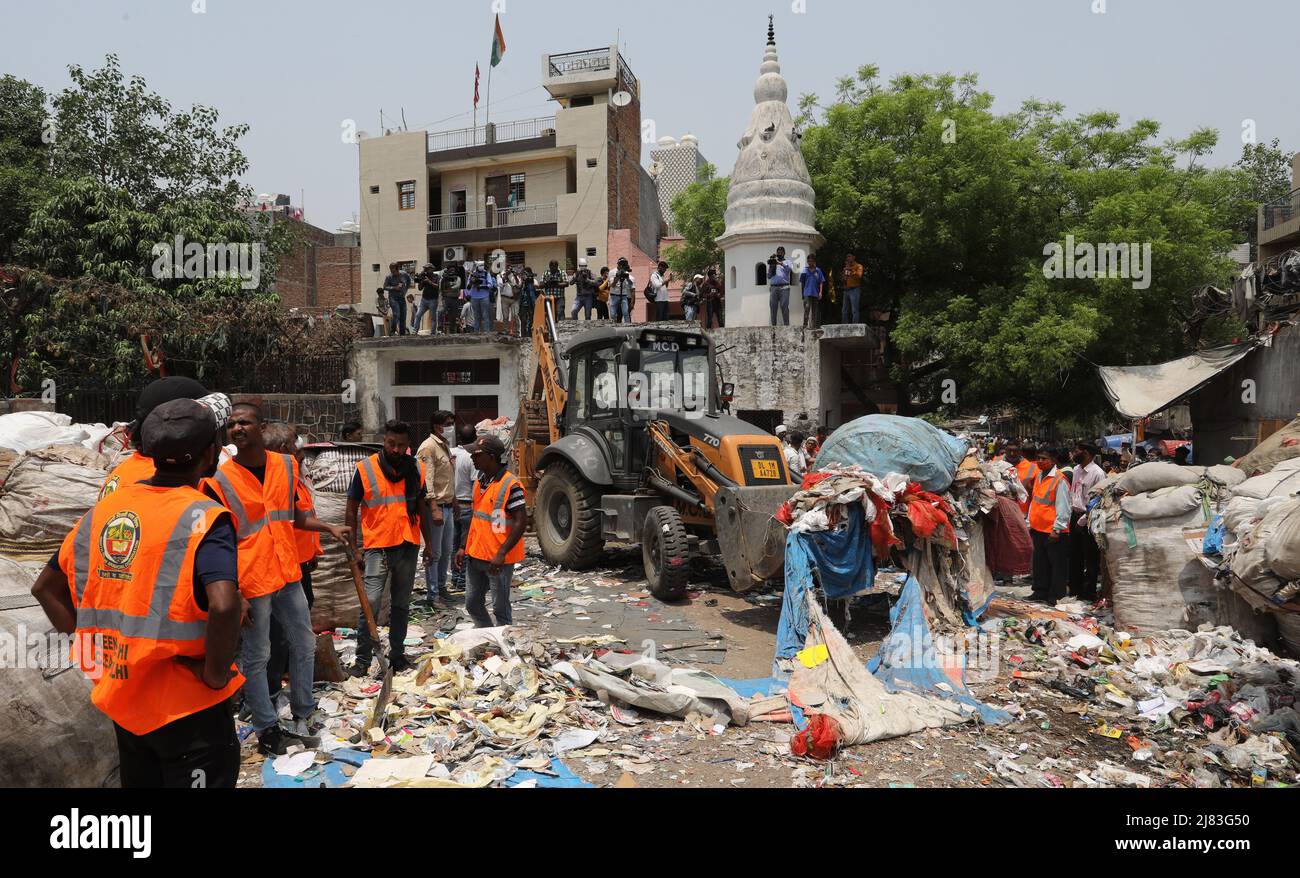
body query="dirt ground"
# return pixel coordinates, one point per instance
(614, 601)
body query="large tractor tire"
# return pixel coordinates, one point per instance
(567, 517)
(666, 553)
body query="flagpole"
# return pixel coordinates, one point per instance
(489, 97)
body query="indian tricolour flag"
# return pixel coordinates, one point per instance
(498, 43)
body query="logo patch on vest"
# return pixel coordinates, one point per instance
(109, 487)
(119, 540)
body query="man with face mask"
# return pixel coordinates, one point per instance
(389, 489)
(1085, 557)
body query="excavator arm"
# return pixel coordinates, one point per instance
(538, 424)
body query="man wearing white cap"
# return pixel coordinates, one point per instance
(586, 298)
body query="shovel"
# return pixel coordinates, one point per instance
(381, 649)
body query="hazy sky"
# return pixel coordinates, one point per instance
(296, 70)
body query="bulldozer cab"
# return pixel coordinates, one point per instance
(621, 379)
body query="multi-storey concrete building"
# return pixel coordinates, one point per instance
(550, 188)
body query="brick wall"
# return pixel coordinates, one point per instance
(624, 166)
(318, 274)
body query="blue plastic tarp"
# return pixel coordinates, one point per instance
(908, 661)
(1214, 535)
(564, 778)
(883, 444)
(843, 557)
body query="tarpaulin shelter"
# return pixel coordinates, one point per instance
(1141, 391)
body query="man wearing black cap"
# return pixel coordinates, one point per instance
(147, 581)
(138, 467)
(494, 543)
(1085, 557)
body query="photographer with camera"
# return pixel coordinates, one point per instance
(450, 288)
(553, 285)
(481, 287)
(586, 297)
(780, 274)
(427, 281)
(622, 292)
(509, 295)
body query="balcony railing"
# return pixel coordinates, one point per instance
(495, 218)
(496, 132)
(1282, 211)
(593, 61)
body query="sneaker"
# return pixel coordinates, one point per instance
(359, 669)
(271, 742)
(300, 730)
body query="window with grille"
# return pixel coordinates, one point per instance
(406, 195)
(416, 410)
(517, 190)
(434, 373)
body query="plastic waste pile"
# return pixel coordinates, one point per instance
(1205, 708)
(1143, 520)
(496, 707)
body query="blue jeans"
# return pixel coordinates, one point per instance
(583, 302)
(289, 606)
(480, 580)
(397, 563)
(690, 311)
(779, 299)
(462, 531)
(443, 548)
(619, 309)
(852, 310)
(397, 307)
(429, 306)
(482, 315)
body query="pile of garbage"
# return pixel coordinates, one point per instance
(1149, 523)
(498, 707)
(1205, 708)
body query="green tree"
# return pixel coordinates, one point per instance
(952, 208)
(130, 175)
(699, 215)
(24, 158)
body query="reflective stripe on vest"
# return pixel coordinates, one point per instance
(155, 625)
(285, 514)
(482, 542)
(245, 527)
(81, 556)
(382, 526)
(1041, 519)
(498, 516)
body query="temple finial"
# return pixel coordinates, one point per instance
(771, 30)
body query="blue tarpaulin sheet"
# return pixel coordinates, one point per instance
(884, 444)
(907, 660)
(317, 776)
(1213, 544)
(564, 778)
(844, 567)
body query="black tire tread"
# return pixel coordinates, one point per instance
(585, 549)
(671, 582)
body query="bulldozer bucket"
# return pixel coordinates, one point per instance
(750, 539)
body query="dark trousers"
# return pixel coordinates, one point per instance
(602, 310)
(197, 751)
(1085, 562)
(1051, 566)
(712, 311)
(811, 312)
(278, 663)
(661, 311)
(397, 307)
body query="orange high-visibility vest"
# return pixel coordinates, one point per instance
(307, 542)
(1042, 510)
(263, 512)
(490, 525)
(384, 522)
(1024, 470)
(130, 568)
(136, 468)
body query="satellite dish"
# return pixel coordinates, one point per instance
(621, 98)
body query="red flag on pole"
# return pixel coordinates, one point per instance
(476, 75)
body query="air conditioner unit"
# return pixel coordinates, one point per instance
(453, 254)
